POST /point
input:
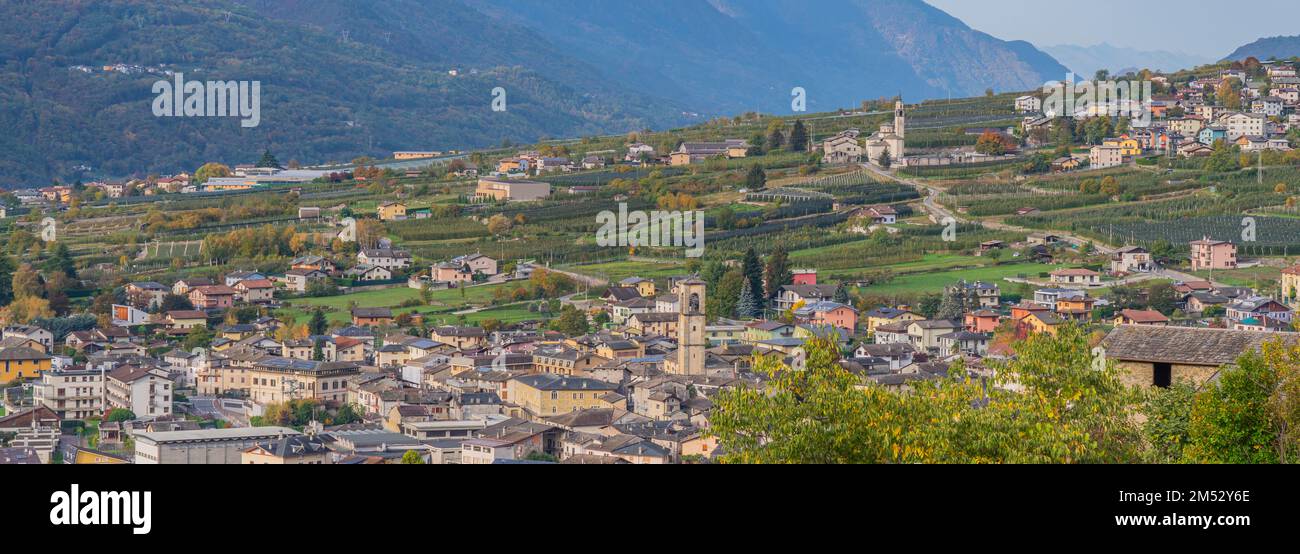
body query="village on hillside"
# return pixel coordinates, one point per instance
(454, 307)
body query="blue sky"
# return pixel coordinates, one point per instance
(1132, 23)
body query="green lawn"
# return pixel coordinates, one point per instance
(443, 301)
(1262, 276)
(936, 281)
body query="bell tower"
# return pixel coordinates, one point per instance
(900, 121)
(691, 341)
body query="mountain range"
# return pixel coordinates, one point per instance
(1086, 60)
(342, 78)
(1268, 48)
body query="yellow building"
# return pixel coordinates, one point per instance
(887, 316)
(1128, 146)
(1042, 323)
(544, 395)
(1291, 286)
(22, 363)
(392, 211)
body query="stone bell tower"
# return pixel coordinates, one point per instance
(691, 341)
(900, 122)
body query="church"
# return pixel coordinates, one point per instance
(889, 139)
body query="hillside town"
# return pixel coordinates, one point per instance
(445, 307)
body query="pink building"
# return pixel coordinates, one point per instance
(213, 297)
(1213, 254)
(828, 313)
(805, 276)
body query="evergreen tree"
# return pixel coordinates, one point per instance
(756, 179)
(953, 304)
(777, 273)
(318, 324)
(775, 140)
(842, 295)
(746, 306)
(318, 350)
(722, 301)
(885, 160)
(7, 268)
(61, 261)
(798, 137)
(753, 270)
(268, 160)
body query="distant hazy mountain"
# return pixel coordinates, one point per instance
(343, 78)
(1268, 48)
(1086, 60)
(733, 55)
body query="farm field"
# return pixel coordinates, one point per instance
(617, 271)
(936, 281)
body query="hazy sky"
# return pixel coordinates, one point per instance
(1213, 28)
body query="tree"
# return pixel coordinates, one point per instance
(118, 415)
(498, 224)
(777, 272)
(953, 305)
(27, 282)
(1168, 415)
(198, 337)
(210, 170)
(572, 322)
(61, 261)
(268, 160)
(756, 179)
(990, 144)
(798, 137)
(723, 298)
(174, 302)
(1162, 298)
(1251, 414)
(6, 279)
(318, 324)
(885, 159)
(746, 306)
(1068, 412)
(412, 457)
(753, 270)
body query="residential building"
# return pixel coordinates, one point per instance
(1213, 254)
(145, 391)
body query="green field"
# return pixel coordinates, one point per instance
(617, 271)
(935, 282)
(444, 302)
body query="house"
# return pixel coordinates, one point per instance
(644, 287)
(1213, 254)
(1131, 259)
(477, 264)
(184, 286)
(256, 291)
(1141, 317)
(544, 394)
(287, 450)
(17, 362)
(391, 211)
(1066, 163)
(185, 319)
(1291, 286)
(1160, 356)
(459, 337)
(146, 295)
(964, 342)
(653, 323)
(368, 272)
(313, 263)
(880, 215)
(981, 293)
(843, 148)
(767, 330)
(297, 280)
(924, 335)
(828, 313)
(1039, 322)
(694, 152)
(1029, 104)
(387, 258)
(1043, 239)
(1085, 277)
(1194, 149)
(1244, 125)
(41, 337)
(1129, 146)
(235, 277)
(982, 321)
(500, 190)
(794, 294)
(71, 393)
(1104, 156)
(1258, 307)
(145, 391)
(371, 317)
(213, 297)
(1077, 307)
